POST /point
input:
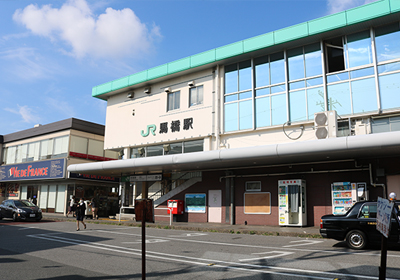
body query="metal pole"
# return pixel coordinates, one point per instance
(144, 241)
(382, 268)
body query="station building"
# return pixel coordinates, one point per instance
(34, 166)
(278, 129)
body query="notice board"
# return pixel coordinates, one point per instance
(257, 203)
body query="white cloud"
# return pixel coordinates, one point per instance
(115, 33)
(26, 64)
(27, 114)
(335, 6)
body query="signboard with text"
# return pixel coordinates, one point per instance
(145, 178)
(46, 169)
(383, 216)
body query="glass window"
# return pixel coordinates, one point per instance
(196, 96)
(277, 68)
(278, 109)
(368, 211)
(33, 151)
(231, 117)
(253, 186)
(262, 92)
(111, 154)
(193, 146)
(154, 151)
(245, 114)
(277, 89)
(388, 67)
(315, 101)
(364, 95)
(387, 42)
(79, 145)
(296, 64)
(339, 98)
(362, 72)
(174, 100)
(312, 55)
(334, 55)
(11, 154)
(244, 95)
(135, 153)
(314, 82)
(359, 49)
(46, 148)
(176, 148)
(61, 146)
(230, 98)
(263, 112)
(96, 148)
(262, 71)
(337, 77)
(298, 107)
(380, 125)
(22, 151)
(245, 75)
(389, 90)
(297, 85)
(231, 79)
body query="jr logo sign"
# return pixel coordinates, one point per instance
(150, 128)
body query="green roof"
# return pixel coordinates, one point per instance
(346, 18)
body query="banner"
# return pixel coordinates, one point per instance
(47, 169)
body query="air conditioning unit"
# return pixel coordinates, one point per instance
(325, 124)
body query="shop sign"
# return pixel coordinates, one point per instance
(384, 212)
(145, 178)
(93, 177)
(47, 169)
(165, 127)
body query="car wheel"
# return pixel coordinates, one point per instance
(356, 239)
(15, 217)
(38, 220)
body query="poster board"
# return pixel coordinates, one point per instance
(257, 203)
(195, 203)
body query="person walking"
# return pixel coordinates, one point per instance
(71, 209)
(80, 213)
(93, 203)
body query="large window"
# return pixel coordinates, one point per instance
(168, 149)
(173, 100)
(196, 96)
(387, 40)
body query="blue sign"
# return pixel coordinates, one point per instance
(47, 169)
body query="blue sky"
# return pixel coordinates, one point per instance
(53, 52)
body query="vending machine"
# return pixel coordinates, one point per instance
(292, 202)
(345, 194)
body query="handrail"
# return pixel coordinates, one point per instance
(165, 187)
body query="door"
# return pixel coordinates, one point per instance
(214, 206)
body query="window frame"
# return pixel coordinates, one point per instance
(176, 96)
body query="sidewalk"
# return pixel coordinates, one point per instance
(310, 232)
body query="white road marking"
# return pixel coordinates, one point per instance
(205, 262)
(257, 246)
(24, 228)
(276, 255)
(147, 241)
(188, 235)
(303, 243)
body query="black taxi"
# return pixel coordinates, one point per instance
(358, 225)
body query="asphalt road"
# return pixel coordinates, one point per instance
(55, 250)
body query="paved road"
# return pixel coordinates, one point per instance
(54, 250)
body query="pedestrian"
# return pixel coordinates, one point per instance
(93, 203)
(80, 213)
(71, 207)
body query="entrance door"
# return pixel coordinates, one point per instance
(214, 206)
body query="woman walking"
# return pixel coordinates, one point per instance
(80, 213)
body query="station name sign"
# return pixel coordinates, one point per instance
(145, 178)
(47, 169)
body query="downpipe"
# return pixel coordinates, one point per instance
(376, 185)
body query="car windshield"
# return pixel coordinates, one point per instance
(23, 203)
